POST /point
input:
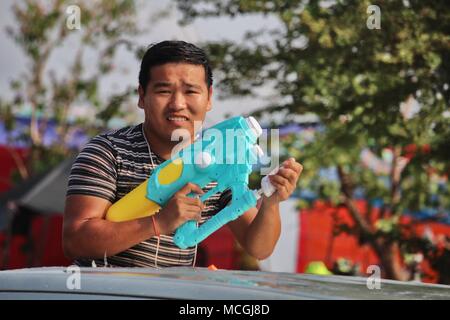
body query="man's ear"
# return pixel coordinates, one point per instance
(141, 97)
(209, 105)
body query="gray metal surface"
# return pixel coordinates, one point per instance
(201, 283)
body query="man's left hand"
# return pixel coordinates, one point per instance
(285, 180)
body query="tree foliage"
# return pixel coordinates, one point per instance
(40, 30)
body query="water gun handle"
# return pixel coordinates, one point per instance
(267, 187)
(188, 235)
(186, 228)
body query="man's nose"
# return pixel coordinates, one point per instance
(178, 101)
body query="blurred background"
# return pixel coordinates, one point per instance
(359, 91)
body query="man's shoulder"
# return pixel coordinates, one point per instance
(119, 137)
(128, 132)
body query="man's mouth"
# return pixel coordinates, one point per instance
(177, 118)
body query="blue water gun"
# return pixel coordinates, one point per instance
(225, 154)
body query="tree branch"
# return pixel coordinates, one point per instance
(346, 188)
(20, 164)
(395, 178)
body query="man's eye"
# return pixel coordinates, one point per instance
(191, 92)
(163, 91)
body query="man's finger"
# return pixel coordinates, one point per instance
(289, 161)
(281, 188)
(193, 213)
(289, 174)
(279, 180)
(194, 202)
(190, 187)
(292, 164)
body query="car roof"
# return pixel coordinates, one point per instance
(201, 283)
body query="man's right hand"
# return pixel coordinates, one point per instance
(179, 209)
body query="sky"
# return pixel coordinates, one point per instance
(13, 62)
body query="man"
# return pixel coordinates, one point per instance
(175, 89)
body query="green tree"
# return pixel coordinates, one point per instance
(40, 30)
(323, 59)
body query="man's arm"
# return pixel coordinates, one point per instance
(258, 231)
(86, 234)
(91, 190)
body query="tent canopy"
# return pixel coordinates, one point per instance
(45, 193)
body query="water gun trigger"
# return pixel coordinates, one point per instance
(208, 194)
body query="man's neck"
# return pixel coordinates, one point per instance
(160, 146)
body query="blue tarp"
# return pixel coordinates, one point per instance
(19, 136)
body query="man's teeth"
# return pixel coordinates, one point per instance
(176, 119)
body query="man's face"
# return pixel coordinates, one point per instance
(175, 97)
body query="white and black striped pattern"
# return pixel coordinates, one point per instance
(113, 164)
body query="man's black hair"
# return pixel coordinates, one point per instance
(173, 52)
